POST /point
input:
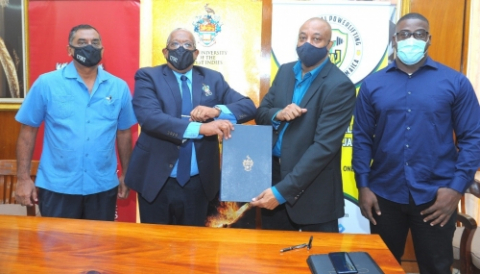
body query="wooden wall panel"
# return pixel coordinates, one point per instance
(446, 19)
(9, 129)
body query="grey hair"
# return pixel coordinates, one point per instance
(79, 27)
(184, 29)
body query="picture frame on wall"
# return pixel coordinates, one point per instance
(13, 84)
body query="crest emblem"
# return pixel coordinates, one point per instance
(347, 49)
(248, 163)
(206, 90)
(207, 27)
(339, 47)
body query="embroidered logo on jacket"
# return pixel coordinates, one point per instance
(206, 90)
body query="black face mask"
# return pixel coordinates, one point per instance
(310, 55)
(180, 58)
(88, 56)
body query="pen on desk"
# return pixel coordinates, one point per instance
(310, 243)
(293, 247)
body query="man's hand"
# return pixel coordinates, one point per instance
(368, 202)
(443, 208)
(290, 112)
(222, 128)
(26, 193)
(202, 114)
(266, 199)
(123, 190)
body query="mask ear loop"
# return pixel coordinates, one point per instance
(426, 48)
(396, 47)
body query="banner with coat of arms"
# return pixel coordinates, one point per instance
(228, 36)
(361, 33)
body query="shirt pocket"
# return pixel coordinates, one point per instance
(109, 108)
(65, 161)
(62, 106)
(105, 162)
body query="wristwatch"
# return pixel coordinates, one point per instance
(219, 110)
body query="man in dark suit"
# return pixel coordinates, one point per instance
(310, 106)
(183, 109)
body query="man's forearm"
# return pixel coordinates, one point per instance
(25, 146)
(124, 146)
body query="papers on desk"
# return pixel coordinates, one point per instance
(246, 163)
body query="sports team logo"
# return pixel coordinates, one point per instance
(347, 49)
(207, 26)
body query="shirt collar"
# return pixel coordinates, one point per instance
(178, 75)
(428, 63)
(297, 69)
(71, 72)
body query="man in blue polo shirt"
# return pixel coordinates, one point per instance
(409, 173)
(84, 109)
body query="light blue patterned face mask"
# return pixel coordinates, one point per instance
(411, 51)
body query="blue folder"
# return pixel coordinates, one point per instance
(246, 163)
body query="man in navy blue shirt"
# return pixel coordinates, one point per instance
(409, 172)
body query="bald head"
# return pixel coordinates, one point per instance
(318, 27)
(314, 43)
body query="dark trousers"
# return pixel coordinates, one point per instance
(98, 206)
(176, 205)
(277, 219)
(432, 244)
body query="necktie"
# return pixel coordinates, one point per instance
(184, 161)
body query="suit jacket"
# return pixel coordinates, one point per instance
(157, 104)
(311, 147)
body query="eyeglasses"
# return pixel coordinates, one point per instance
(176, 45)
(418, 34)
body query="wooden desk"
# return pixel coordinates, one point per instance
(51, 245)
